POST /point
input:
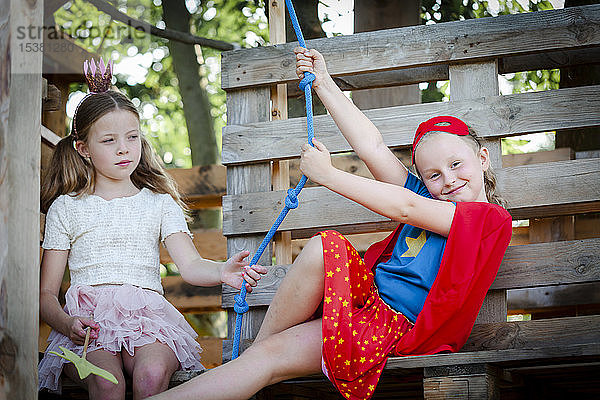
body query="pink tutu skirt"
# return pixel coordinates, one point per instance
(128, 317)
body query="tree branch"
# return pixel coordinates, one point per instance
(182, 37)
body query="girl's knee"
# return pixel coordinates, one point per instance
(150, 379)
(312, 253)
(315, 244)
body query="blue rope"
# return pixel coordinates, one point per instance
(291, 200)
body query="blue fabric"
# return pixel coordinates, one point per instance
(404, 280)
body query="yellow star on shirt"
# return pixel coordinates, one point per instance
(414, 245)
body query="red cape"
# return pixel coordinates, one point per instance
(477, 241)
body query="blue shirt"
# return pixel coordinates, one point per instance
(404, 281)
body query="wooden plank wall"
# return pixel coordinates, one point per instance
(491, 117)
(507, 36)
(471, 54)
(19, 204)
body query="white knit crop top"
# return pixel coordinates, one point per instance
(113, 241)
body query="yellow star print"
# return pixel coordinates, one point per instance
(415, 245)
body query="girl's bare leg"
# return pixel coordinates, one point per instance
(292, 353)
(98, 387)
(299, 294)
(150, 368)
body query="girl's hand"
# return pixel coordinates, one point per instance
(311, 61)
(236, 270)
(76, 327)
(315, 162)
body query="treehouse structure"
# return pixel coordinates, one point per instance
(551, 271)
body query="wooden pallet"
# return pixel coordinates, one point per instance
(501, 358)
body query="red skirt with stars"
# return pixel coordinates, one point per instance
(359, 329)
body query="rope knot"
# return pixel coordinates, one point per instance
(291, 200)
(309, 77)
(240, 306)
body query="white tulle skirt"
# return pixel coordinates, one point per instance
(128, 317)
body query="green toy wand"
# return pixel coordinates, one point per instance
(84, 367)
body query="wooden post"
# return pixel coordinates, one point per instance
(279, 110)
(246, 106)
(19, 200)
(373, 15)
(469, 382)
(7, 354)
(470, 81)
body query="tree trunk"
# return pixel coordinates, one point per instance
(372, 15)
(196, 106)
(308, 18)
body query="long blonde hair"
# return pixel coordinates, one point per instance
(489, 175)
(70, 173)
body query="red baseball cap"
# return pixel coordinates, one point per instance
(443, 123)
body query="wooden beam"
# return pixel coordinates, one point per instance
(532, 191)
(49, 137)
(247, 106)
(553, 263)
(279, 111)
(523, 266)
(571, 337)
(562, 154)
(471, 382)
(170, 34)
(491, 117)
(51, 98)
(470, 81)
(62, 56)
(211, 244)
(534, 334)
(506, 65)
(450, 42)
(9, 346)
(544, 352)
(202, 186)
(537, 299)
(19, 204)
(190, 298)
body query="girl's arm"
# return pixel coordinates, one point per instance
(389, 200)
(199, 271)
(359, 131)
(52, 270)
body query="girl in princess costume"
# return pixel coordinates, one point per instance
(109, 204)
(416, 292)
